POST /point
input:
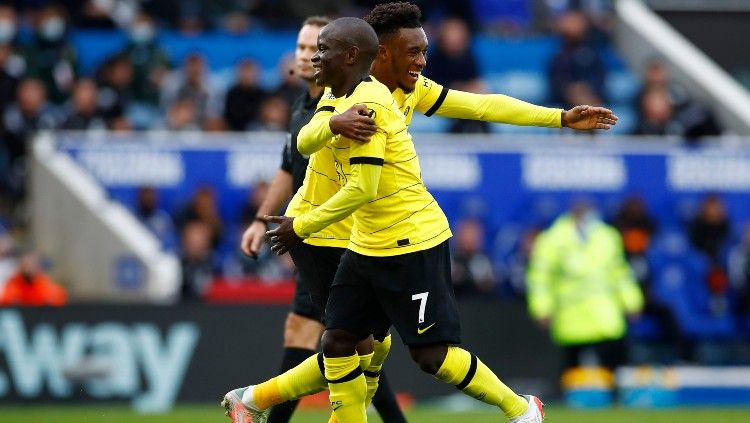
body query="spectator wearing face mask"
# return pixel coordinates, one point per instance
(12, 64)
(50, 57)
(150, 62)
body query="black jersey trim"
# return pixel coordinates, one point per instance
(365, 79)
(326, 109)
(377, 161)
(438, 103)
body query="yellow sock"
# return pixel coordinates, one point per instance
(347, 388)
(372, 372)
(305, 379)
(471, 376)
(364, 363)
(365, 359)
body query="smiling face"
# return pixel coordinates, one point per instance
(307, 40)
(330, 59)
(404, 58)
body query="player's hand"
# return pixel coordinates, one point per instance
(283, 238)
(355, 123)
(588, 117)
(252, 238)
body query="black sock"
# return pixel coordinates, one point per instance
(385, 402)
(282, 413)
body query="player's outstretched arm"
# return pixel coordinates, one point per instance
(497, 108)
(588, 117)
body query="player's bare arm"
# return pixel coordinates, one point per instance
(588, 117)
(354, 124)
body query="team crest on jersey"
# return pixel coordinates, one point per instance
(371, 113)
(406, 111)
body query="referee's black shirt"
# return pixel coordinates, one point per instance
(292, 161)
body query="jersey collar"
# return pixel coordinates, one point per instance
(365, 79)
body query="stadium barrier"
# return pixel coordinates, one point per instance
(151, 356)
(98, 249)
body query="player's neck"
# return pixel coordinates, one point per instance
(349, 82)
(384, 77)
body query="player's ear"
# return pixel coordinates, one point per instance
(382, 52)
(352, 55)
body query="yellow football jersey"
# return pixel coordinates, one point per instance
(321, 183)
(426, 98)
(404, 217)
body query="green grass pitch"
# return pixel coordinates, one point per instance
(208, 414)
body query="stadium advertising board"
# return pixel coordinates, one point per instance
(501, 179)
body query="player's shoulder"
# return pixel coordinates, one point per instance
(374, 89)
(425, 84)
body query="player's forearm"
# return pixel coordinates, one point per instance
(278, 194)
(361, 188)
(313, 136)
(498, 108)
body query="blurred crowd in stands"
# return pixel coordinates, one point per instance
(43, 86)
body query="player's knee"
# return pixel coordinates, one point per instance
(429, 359)
(366, 346)
(301, 332)
(338, 343)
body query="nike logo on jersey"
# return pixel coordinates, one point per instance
(425, 329)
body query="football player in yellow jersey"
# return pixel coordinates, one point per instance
(400, 61)
(402, 56)
(316, 260)
(396, 270)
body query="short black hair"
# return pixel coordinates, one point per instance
(387, 18)
(317, 20)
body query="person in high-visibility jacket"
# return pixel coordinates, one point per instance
(581, 288)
